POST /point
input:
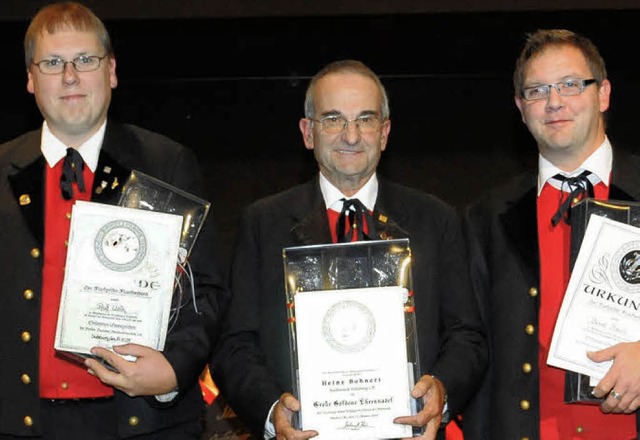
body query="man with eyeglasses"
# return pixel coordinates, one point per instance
(519, 237)
(71, 70)
(347, 126)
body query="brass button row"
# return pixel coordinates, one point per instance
(530, 329)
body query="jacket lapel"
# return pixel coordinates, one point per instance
(624, 177)
(314, 228)
(108, 180)
(388, 225)
(27, 186)
(519, 221)
(26, 179)
(311, 225)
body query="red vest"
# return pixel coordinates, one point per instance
(60, 378)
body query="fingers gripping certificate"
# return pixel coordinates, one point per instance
(601, 306)
(119, 277)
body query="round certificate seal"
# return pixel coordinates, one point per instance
(120, 245)
(348, 327)
(625, 267)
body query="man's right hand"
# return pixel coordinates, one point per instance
(282, 416)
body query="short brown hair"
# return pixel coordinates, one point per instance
(64, 16)
(541, 39)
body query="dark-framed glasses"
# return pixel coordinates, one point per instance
(567, 87)
(334, 124)
(82, 63)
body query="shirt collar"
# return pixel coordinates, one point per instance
(54, 149)
(599, 163)
(332, 195)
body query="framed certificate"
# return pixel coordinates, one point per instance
(600, 307)
(578, 386)
(352, 337)
(119, 278)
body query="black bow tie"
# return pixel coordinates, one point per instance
(353, 217)
(71, 172)
(575, 187)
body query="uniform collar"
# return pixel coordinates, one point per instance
(54, 149)
(599, 163)
(332, 196)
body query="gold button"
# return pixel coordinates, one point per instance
(35, 253)
(25, 336)
(576, 200)
(579, 429)
(133, 421)
(526, 368)
(68, 215)
(524, 405)
(28, 294)
(525, 438)
(24, 199)
(25, 379)
(66, 243)
(529, 329)
(533, 292)
(64, 385)
(28, 421)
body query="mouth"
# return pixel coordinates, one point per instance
(557, 121)
(72, 98)
(348, 152)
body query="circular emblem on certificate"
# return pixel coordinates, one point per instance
(348, 326)
(120, 245)
(625, 267)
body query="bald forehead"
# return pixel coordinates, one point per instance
(347, 88)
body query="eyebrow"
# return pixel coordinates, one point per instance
(339, 113)
(77, 54)
(564, 78)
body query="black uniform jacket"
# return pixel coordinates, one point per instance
(188, 345)
(503, 235)
(253, 364)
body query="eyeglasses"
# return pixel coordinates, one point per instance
(568, 87)
(334, 124)
(83, 63)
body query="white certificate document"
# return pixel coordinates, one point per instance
(352, 358)
(119, 277)
(601, 306)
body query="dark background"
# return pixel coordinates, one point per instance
(228, 79)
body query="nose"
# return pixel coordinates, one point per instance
(554, 101)
(69, 73)
(352, 132)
